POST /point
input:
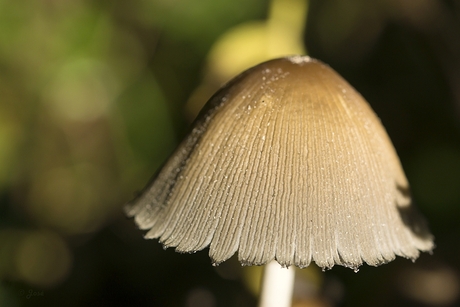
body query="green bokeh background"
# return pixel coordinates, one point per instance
(94, 96)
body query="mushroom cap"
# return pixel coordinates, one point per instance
(287, 161)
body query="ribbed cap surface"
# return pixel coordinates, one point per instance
(286, 162)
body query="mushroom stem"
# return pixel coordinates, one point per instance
(277, 285)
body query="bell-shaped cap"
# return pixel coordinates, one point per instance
(287, 162)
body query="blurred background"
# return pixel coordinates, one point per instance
(94, 95)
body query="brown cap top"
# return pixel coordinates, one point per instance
(286, 162)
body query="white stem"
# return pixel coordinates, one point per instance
(277, 286)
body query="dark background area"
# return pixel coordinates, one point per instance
(94, 95)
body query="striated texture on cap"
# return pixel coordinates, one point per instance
(287, 162)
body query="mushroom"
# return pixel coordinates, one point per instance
(286, 162)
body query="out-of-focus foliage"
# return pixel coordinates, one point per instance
(94, 95)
